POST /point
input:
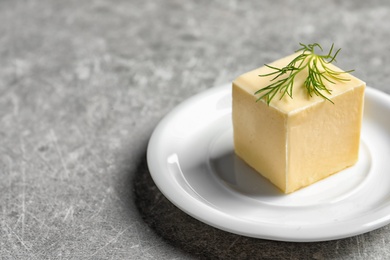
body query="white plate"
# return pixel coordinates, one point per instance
(191, 159)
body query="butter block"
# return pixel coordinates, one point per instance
(297, 141)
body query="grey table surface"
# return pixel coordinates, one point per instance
(84, 83)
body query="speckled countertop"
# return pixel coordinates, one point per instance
(84, 83)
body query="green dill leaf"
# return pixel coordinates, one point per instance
(317, 70)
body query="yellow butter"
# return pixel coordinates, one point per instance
(296, 142)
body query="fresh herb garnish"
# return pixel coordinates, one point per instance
(317, 69)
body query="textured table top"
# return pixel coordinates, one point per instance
(84, 83)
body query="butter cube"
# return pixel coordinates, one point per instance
(297, 141)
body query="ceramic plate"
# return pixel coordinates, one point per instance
(191, 159)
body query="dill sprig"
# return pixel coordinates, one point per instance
(317, 70)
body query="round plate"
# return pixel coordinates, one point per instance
(192, 161)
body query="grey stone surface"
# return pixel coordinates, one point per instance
(84, 83)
